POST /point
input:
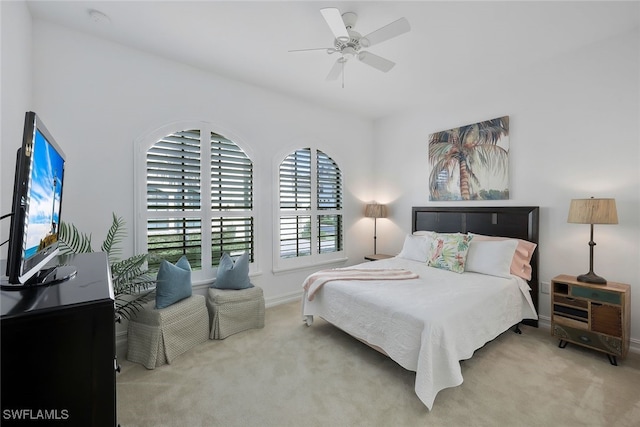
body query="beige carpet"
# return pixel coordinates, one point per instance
(288, 374)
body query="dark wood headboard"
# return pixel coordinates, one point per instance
(508, 221)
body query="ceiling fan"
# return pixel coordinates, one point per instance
(349, 44)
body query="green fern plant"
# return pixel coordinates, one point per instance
(130, 278)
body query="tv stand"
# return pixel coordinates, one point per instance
(53, 275)
(50, 275)
(58, 349)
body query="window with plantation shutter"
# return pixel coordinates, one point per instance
(310, 208)
(182, 167)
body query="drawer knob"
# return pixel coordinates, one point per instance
(584, 338)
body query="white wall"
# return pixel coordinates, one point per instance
(574, 133)
(97, 98)
(15, 88)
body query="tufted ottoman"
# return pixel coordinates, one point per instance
(232, 311)
(157, 336)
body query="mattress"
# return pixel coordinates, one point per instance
(426, 325)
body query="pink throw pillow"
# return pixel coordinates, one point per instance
(521, 262)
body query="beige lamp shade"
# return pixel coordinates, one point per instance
(593, 211)
(375, 210)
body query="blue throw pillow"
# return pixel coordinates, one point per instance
(173, 282)
(233, 275)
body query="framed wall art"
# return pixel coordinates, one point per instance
(470, 162)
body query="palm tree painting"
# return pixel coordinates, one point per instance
(470, 162)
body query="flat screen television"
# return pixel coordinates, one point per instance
(36, 209)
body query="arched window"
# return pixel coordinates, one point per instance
(310, 209)
(199, 200)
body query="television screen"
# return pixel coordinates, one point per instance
(45, 192)
(37, 203)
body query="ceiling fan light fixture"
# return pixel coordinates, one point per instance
(349, 19)
(349, 52)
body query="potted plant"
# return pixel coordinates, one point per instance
(130, 278)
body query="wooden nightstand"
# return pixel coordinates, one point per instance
(377, 257)
(593, 316)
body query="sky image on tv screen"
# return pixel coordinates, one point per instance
(45, 191)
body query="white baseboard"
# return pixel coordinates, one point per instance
(283, 299)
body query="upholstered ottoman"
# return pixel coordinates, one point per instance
(232, 311)
(157, 336)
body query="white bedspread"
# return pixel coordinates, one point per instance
(427, 325)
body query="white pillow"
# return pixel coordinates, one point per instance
(521, 262)
(415, 248)
(492, 257)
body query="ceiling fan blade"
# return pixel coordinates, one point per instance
(376, 61)
(328, 49)
(335, 23)
(387, 32)
(336, 70)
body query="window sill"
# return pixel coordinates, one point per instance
(307, 266)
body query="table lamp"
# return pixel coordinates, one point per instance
(592, 211)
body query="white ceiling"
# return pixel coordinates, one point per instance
(447, 45)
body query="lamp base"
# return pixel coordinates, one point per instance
(592, 277)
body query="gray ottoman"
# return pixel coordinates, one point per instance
(233, 311)
(157, 336)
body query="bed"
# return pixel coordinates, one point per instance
(430, 319)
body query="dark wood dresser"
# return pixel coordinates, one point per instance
(58, 361)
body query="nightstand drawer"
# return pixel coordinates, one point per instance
(570, 312)
(606, 319)
(571, 302)
(596, 295)
(610, 345)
